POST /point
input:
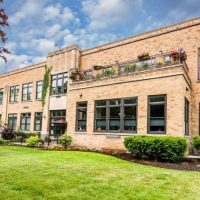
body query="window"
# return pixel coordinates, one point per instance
(25, 121)
(57, 122)
(27, 91)
(59, 84)
(187, 105)
(199, 64)
(116, 115)
(157, 114)
(38, 121)
(1, 96)
(12, 121)
(81, 116)
(39, 89)
(14, 93)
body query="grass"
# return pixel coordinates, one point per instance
(32, 174)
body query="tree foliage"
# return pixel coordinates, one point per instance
(3, 38)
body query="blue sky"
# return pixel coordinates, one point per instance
(37, 27)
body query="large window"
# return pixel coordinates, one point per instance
(38, 121)
(116, 115)
(14, 93)
(39, 89)
(81, 116)
(27, 90)
(25, 121)
(59, 84)
(157, 114)
(1, 96)
(12, 121)
(187, 106)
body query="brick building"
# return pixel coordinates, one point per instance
(102, 94)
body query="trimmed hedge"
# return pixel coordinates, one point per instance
(166, 148)
(196, 142)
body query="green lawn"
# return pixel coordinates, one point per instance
(33, 174)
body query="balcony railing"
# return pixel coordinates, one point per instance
(143, 64)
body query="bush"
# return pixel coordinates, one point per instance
(65, 140)
(4, 142)
(32, 141)
(196, 142)
(159, 148)
(8, 134)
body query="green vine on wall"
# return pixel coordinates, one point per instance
(45, 84)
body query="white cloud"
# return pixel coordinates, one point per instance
(103, 13)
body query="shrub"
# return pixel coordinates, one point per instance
(65, 140)
(32, 141)
(159, 148)
(4, 142)
(196, 142)
(8, 134)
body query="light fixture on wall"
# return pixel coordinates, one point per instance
(81, 95)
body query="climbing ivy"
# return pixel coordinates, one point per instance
(45, 84)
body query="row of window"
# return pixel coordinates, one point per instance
(120, 115)
(25, 121)
(58, 86)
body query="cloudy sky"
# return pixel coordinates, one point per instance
(37, 27)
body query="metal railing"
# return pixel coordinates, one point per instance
(133, 66)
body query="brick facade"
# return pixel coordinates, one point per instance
(177, 82)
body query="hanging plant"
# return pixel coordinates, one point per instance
(45, 85)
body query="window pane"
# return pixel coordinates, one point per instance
(130, 112)
(157, 125)
(114, 124)
(101, 113)
(157, 98)
(130, 101)
(115, 112)
(101, 103)
(130, 125)
(157, 110)
(115, 102)
(100, 124)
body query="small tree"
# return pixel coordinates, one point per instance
(65, 141)
(3, 23)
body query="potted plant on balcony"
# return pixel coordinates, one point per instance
(175, 55)
(97, 67)
(129, 67)
(109, 72)
(143, 56)
(73, 76)
(183, 55)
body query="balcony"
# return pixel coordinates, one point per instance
(144, 63)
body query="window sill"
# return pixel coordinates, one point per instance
(38, 99)
(156, 134)
(13, 102)
(25, 101)
(114, 133)
(81, 133)
(58, 95)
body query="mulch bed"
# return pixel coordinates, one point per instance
(187, 164)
